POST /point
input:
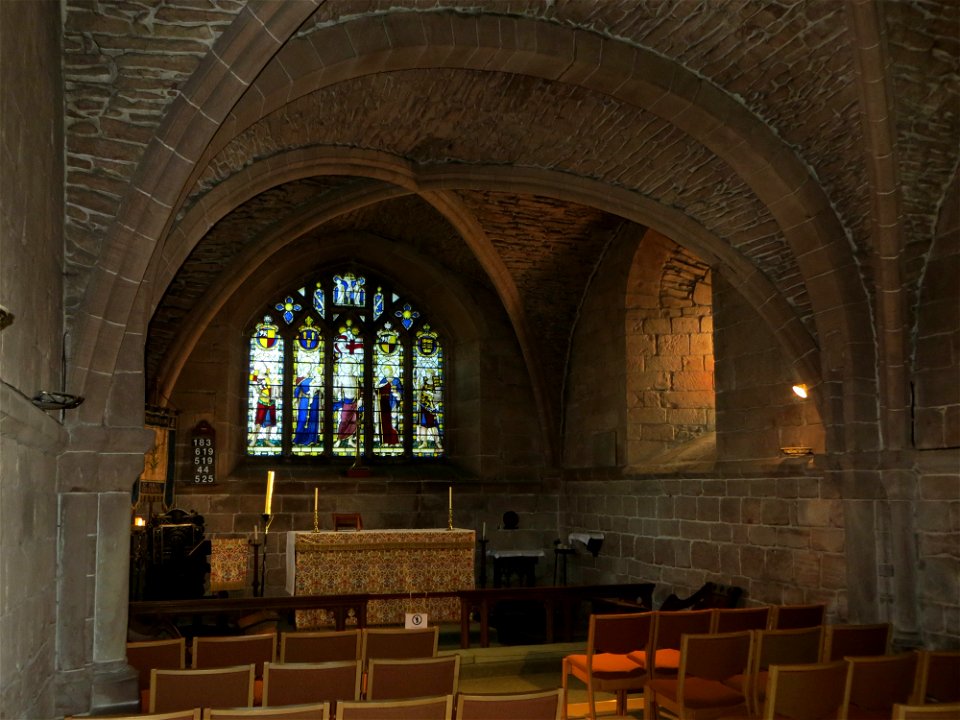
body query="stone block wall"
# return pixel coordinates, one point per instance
(385, 501)
(780, 538)
(31, 283)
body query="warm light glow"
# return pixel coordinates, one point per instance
(800, 391)
(139, 521)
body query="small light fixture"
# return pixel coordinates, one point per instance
(800, 390)
(56, 400)
(139, 522)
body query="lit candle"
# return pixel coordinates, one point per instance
(316, 500)
(266, 508)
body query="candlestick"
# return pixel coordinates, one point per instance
(450, 508)
(269, 502)
(316, 508)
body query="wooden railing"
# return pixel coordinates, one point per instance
(480, 601)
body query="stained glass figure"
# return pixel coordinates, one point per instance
(378, 303)
(307, 391)
(389, 409)
(265, 405)
(348, 290)
(428, 380)
(348, 371)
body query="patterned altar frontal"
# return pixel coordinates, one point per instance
(382, 561)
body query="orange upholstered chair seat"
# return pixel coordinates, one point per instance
(667, 659)
(608, 666)
(699, 692)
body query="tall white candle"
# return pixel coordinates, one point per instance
(450, 502)
(483, 534)
(316, 500)
(266, 507)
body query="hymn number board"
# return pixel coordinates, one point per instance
(203, 441)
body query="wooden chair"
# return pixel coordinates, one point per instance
(311, 711)
(145, 655)
(698, 692)
(792, 646)
(840, 641)
(320, 646)
(302, 683)
(938, 677)
(876, 683)
(192, 714)
(784, 617)
(397, 643)
(166, 654)
(435, 708)
(930, 711)
(187, 689)
(607, 665)
(541, 705)
(213, 651)
(347, 521)
(389, 679)
(813, 691)
(737, 619)
(668, 628)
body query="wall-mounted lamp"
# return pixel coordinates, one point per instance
(56, 401)
(800, 390)
(139, 522)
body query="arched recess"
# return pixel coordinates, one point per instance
(399, 177)
(197, 126)
(235, 305)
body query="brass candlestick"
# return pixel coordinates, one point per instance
(316, 521)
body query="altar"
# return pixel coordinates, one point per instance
(382, 561)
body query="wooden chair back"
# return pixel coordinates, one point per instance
(930, 711)
(311, 711)
(875, 684)
(938, 677)
(166, 654)
(840, 641)
(347, 521)
(398, 643)
(668, 629)
(813, 691)
(213, 651)
(435, 708)
(214, 687)
(783, 617)
(790, 646)
(541, 705)
(320, 646)
(706, 661)
(192, 714)
(413, 677)
(302, 683)
(737, 619)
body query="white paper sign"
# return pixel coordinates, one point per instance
(412, 621)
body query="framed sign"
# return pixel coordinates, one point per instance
(203, 444)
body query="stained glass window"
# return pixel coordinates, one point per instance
(322, 355)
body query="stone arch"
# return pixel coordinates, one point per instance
(220, 103)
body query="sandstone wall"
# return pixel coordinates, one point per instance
(31, 281)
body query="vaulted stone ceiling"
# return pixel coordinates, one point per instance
(792, 66)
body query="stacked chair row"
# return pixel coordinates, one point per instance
(713, 664)
(540, 705)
